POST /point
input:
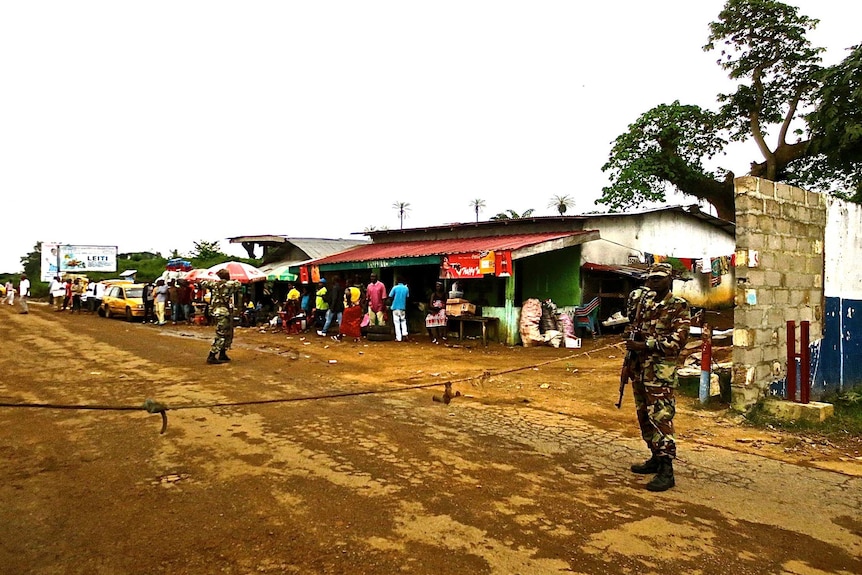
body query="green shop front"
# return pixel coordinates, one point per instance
(493, 272)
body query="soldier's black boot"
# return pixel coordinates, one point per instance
(212, 359)
(651, 465)
(664, 480)
(223, 356)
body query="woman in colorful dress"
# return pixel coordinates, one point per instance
(436, 319)
(351, 319)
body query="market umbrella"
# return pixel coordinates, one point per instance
(242, 272)
(281, 274)
(199, 274)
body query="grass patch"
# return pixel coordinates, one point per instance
(847, 421)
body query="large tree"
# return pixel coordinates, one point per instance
(784, 102)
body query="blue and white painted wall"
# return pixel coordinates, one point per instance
(837, 364)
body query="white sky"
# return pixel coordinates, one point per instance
(152, 125)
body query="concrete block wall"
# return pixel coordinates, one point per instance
(781, 229)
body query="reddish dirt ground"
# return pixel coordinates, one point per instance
(101, 491)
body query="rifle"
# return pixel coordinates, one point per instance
(630, 354)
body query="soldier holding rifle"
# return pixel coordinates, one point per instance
(660, 323)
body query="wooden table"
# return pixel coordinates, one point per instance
(484, 321)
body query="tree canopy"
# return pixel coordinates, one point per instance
(207, 250)
(804, 119)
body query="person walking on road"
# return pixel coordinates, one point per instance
(24, 293)
(222, 294)
(660, 324)
(10, 293)
(399, 294)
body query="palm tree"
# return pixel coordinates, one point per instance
(402, 208)
(477, 205)
(561, 203)
(512, 215)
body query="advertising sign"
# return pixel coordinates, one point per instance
(471, 265)
(80, 259)
(50, 262)
(476, 265)
(504, 264)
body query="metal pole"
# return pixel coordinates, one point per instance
(705, 362)
(805, 361)
(791, 360)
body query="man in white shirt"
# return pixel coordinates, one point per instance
(24, 293)
(57, 291)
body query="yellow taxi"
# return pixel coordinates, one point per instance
(123, 300)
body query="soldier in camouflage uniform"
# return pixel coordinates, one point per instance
(221, 302)
(661, 331)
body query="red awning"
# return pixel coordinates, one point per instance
(424, 248)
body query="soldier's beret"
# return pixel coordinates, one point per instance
(660, 270)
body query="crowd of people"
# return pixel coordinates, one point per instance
(344, 310)
(658, 330)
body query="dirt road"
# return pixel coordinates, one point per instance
(308, 456)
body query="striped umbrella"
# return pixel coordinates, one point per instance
(281, 274)
(242, 272)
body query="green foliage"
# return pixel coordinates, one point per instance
(836, 126)
(32, 264)
(512, 215)
(205, 250)
(561, 203)
(763, 47)
(666, 144)
(762, 44)
(847, 420)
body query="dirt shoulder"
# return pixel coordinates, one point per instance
(581, 382)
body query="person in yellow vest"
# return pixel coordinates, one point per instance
(321, 305)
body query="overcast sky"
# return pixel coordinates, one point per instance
(152, 125)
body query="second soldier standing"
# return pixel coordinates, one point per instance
(221, 302)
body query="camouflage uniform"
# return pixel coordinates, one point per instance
(664, 326)
(221, 303)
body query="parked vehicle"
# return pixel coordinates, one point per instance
(123, 300)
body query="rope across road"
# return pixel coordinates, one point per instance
(153, 406)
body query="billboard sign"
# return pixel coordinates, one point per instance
(50, 262)
(80, 259)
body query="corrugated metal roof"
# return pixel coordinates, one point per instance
(444, 247)
(322, 247)
(587, 219)
(629, 271)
